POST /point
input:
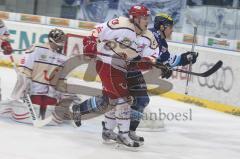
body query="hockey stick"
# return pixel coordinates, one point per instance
(36, 122)
(194, 24)
(204, 74)
(27, 101)
(190, 65)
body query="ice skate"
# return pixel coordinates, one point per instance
(135, 137)
(125, 142)
(75, 114)
(108, 136)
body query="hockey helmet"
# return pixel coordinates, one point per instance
(56, 38)
(162, 21)
(138, 11)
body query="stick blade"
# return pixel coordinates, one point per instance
(204, 74)
(213, 69)
(41, 123)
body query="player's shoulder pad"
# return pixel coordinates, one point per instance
(37, 46)
(149, 35)
(120, 23)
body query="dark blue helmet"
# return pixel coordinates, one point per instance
(162, 21)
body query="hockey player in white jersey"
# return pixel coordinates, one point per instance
(126, 38)
(4, 37)
(39, 71)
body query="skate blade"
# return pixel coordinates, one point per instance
(109, 142)
(126, 148)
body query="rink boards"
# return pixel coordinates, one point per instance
(220, 91)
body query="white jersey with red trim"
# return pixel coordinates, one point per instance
(118, 38)
(43, 66)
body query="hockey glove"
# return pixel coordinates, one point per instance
(90, 46)
(7, 48)
(187, 57)
(165, 68)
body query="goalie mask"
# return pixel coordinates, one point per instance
(56, 39)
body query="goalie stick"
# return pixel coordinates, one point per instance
(36, 122)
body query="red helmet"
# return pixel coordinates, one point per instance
(137, 11)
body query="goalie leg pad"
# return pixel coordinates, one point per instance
(61, 111)
(43, 101)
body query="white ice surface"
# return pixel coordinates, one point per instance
(209, 135)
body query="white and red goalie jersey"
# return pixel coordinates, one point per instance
(43, 67)
(118, 38)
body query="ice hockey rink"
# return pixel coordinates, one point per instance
(207, 134)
